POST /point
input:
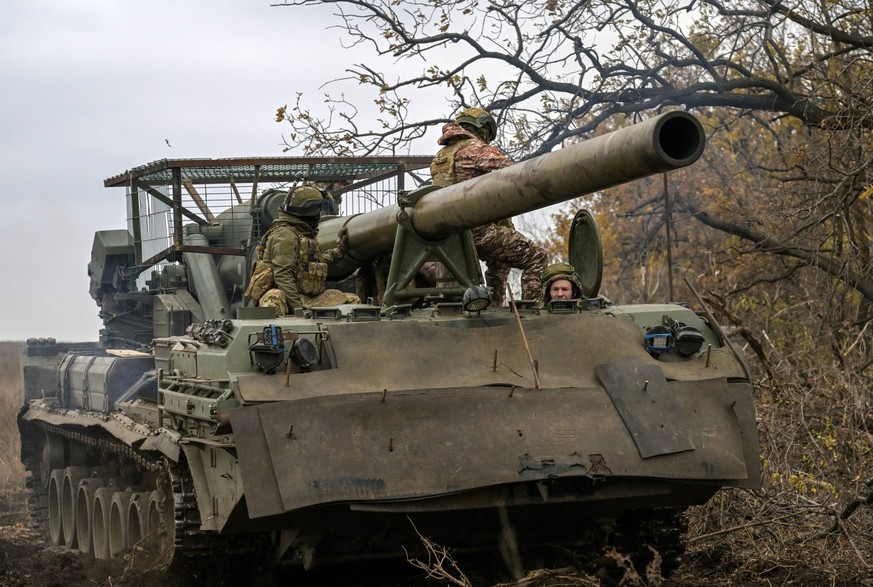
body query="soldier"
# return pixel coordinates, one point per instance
(466, 154)
(289, 261)
(560, 282)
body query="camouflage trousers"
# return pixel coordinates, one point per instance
(274, 298)
(504, 248)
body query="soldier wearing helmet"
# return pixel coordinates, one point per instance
(467, 154)
(560, 282)
(289, 251)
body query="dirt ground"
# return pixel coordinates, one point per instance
(26, 562)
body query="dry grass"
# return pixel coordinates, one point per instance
(11, 470)
(810, 523)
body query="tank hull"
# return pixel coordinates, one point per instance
(429, 444)
(612, 430)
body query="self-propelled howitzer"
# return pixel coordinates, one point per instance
(660, 144)
(200, 425)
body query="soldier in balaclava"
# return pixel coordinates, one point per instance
(290, 251)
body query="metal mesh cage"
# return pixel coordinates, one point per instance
(164, 195)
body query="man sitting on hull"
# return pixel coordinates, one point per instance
(291, 271)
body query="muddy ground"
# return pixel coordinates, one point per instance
(25, 561)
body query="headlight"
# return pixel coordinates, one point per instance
(687, 340)
(659, 339)
(672, 335)
(303, 354)
(476, 299)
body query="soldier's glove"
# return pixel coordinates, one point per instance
(342, 240)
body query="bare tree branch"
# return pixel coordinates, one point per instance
(769, 244)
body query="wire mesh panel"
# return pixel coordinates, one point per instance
(150, 220)
(166, 198)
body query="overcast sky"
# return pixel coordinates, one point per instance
(90, 89)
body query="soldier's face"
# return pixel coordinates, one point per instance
(561, 289)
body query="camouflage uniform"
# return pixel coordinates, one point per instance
(299, 268)
(464, 156)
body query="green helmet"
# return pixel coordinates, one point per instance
(303, 200)
(557, 271)
(479, 122)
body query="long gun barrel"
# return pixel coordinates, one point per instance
(663, 143)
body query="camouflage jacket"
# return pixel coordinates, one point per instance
(291, 250)
(463, 156)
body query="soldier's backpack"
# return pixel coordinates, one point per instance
(261, 279)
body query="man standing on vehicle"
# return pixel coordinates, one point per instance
(289, 260)
(467, 154)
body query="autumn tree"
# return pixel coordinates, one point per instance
(783, 87)
(554, 71)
